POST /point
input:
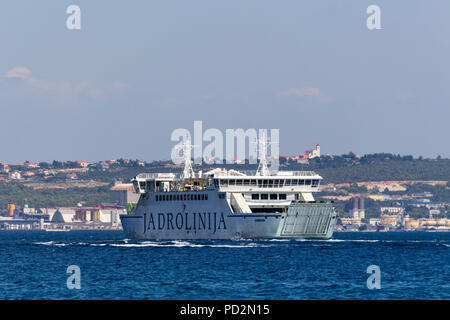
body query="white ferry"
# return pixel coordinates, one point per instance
(228, 204)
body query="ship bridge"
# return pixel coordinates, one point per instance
(287, 181)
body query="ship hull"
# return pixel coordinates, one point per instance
(301, 220)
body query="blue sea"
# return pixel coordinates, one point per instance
(413, 265)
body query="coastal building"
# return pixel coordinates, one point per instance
(411, 224)
(424, 203)
(313, 153)
(354, 208)
(28, 174)
(123, 193)
(87, 215)
(15, 175)
(436, 224)
(5, 168)
(392, 210)
(375, 221)
(31, 165)
(72, 176)
(83, 163)
(389, 220)
(348, 221)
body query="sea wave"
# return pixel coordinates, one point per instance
(337, 240)
(143, 244)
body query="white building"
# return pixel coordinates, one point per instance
(392, 210)
(15, 175)
(63, 215)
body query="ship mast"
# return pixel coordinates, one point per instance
(188, 171)
(262, 154)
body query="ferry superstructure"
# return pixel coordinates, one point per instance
(229, 204)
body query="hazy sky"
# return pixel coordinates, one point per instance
(137, 70)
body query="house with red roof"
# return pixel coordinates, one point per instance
(31, 165)
(83, 163)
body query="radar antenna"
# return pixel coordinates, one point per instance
(262, 143)
(188, 171)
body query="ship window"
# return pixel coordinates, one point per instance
(260, 183)
(276, 183)
(255, 196)
(239, 182)
(253, 182)
(264, 183)
(178, 197)
(315, 183)
(184, 197)
(221, 195)
(264, 196)
(232, 182)
(196, 197)
(282, 196)
(273, 196)
(308, 182)
(171, 198)
(203, 197)
(270, 183)
(206, 197)
(287, 182)
(294, 182)
(224, 183)
(156, 198)
(301, 182)
(297, 196)
(142, 185)
(246, 182)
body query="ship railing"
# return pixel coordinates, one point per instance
(156, 175)
(254, 173)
